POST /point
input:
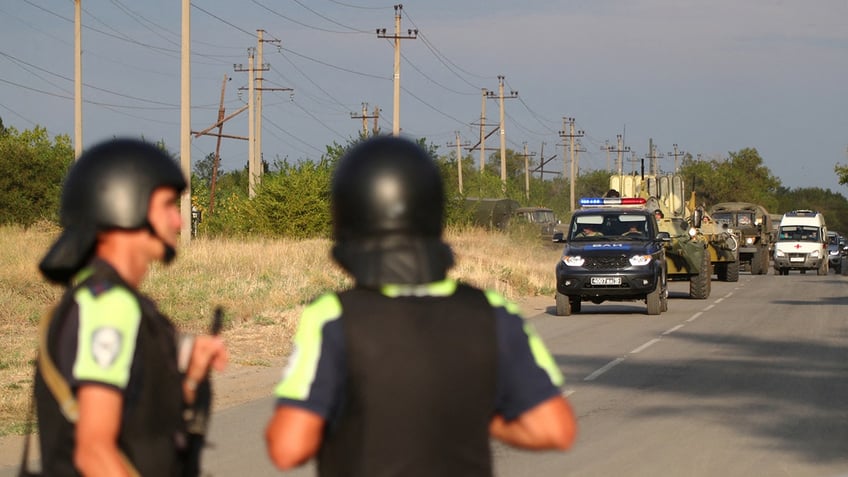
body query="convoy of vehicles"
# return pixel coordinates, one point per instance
(615, 251)
(801, 243)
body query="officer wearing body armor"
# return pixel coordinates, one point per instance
(409, 373)
(114, 379)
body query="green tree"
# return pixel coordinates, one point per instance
(32, 168)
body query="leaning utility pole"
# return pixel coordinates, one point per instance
(542, 161)
(397, 37)
(77, 78)
(185, 121)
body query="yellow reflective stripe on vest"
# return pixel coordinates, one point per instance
(302, 364)
(108, 328)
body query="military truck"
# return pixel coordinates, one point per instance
(494, 214)
(687, 253)
(754, 226)
(541, 217)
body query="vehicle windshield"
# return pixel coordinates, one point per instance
(734, 219)
(610, 226)
(798, 233)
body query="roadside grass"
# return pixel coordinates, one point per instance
(262, 284)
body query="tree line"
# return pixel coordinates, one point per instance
(293, 199)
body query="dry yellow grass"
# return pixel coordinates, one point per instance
(261, 283)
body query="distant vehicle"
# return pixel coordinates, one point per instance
(494, 214)
(542, 217)
(753, 224)
(614, 251)
(835, 246)
(801, 243)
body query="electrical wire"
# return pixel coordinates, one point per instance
(311, 27)
(355, 30)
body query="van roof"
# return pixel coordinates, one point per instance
(801, 213)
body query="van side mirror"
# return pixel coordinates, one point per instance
(558, 237)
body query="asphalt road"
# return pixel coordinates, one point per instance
(752, 381)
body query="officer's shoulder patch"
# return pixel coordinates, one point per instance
(106, 345)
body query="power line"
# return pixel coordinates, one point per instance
(311, 27)
(355, 30)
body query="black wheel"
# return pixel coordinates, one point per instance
(733, 271)
(700, 285)
(756, 264)
(721, 271)
(653, 301)
(563, 305)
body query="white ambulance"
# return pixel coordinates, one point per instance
(801, 243)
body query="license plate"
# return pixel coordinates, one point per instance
(605, 280)
(796, 259)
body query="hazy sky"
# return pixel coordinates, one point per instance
(712, 77)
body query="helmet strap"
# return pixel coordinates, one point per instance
(170, 250)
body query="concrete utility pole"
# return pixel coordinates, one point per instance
(260, 35)
(527, 171)
(397, 37)
(364, 116)
(608, 148)
(77, 78)
(459, 147)
(185, 121)
(578, 148)
(571, 143)
(619, 149)
(653, 157)
(483, 126)
(676, 154)
(512, 94)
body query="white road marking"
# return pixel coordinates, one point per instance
(695, 317)
(644, 346)
(603, 369)
(567, 392)
(719, 300)
(673, 329)
(710, 307)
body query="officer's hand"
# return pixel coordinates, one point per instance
(208, 352)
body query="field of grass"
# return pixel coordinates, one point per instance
(261, 283)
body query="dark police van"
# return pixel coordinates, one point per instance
(613, 252)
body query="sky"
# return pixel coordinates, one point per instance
(712, 77)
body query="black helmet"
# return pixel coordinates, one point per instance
(388, 209)
(108, 187)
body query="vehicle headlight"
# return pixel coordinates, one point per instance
(779, 253)
(815, 253)
(833, 252)
(693, 232)
(749, 241)
(573, 260)
(638, 260)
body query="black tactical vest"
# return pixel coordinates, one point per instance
(152, 428)
(420, 393)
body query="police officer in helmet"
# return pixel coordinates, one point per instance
(409, 373)
(114, 378)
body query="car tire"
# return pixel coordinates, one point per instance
(653, 301)
(563, 305)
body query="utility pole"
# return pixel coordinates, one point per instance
(608, 148)
(527, 171)
(633, 161)
(483, 136)
(217, 160)
(542, 161)
(653, 157)
(577, 150)
(364, 116)
(397, 37)
(676, 154)
(512, 94)
(185, 120)
(459, 147)
(77, 78)
(619, 149)
(571, 135)
(257, 155)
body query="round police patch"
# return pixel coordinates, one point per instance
(106, 343)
